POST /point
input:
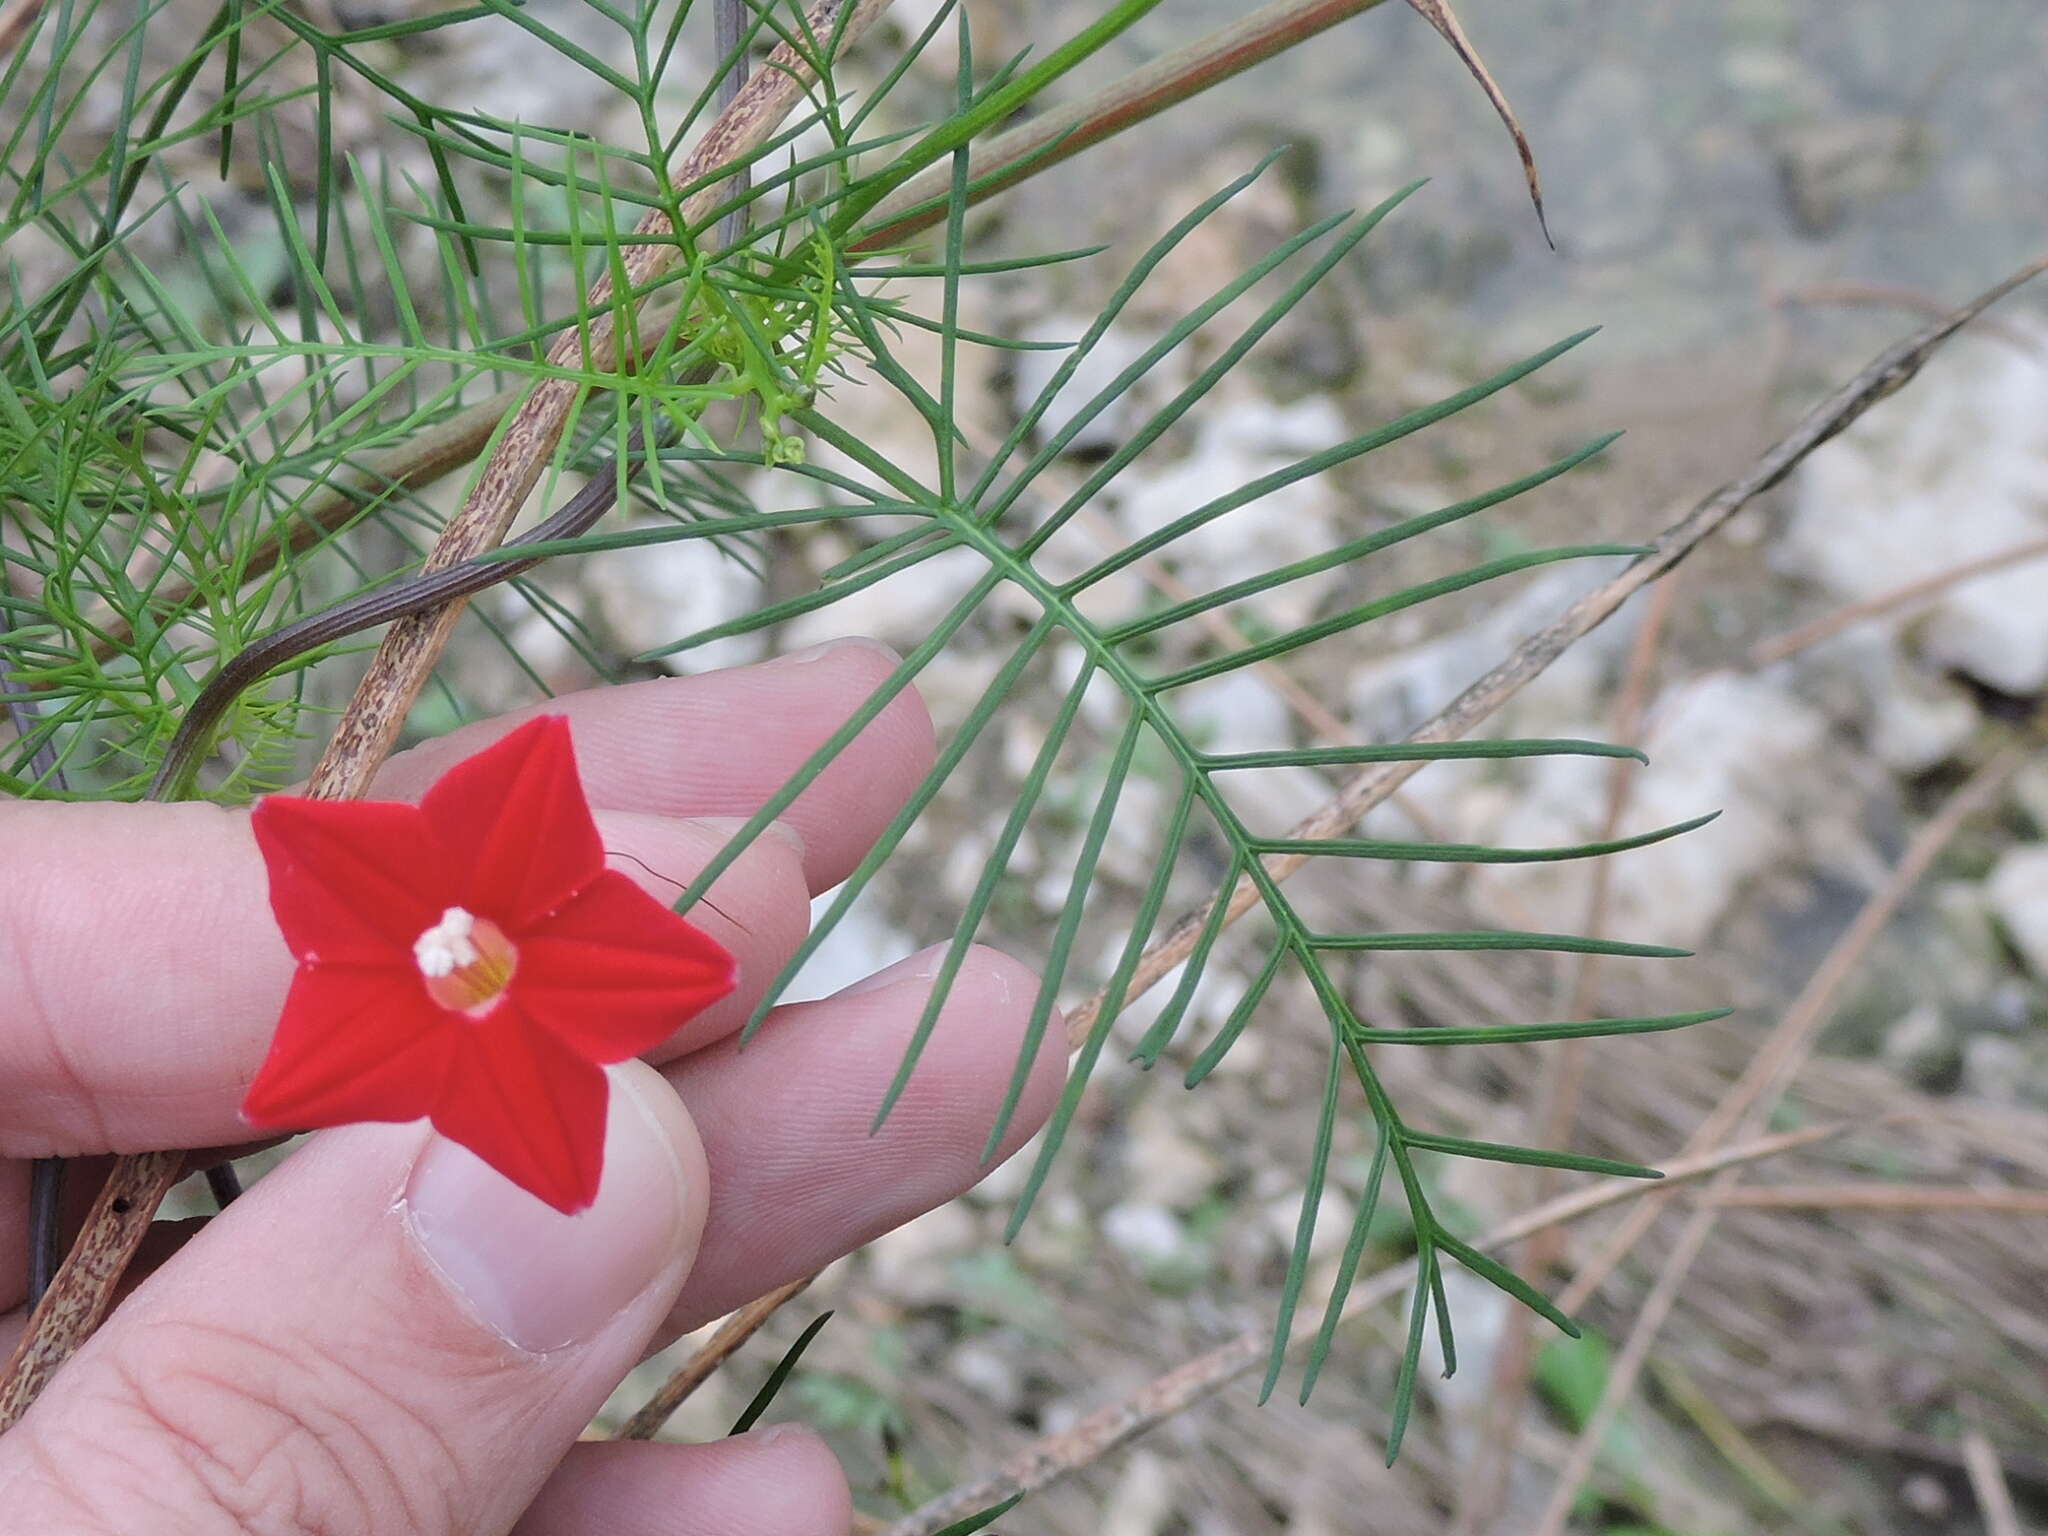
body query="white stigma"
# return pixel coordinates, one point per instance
(445, 948)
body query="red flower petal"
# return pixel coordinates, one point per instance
(514, 820)
(528, 1106)
(353, 1045)
(603, 970)
(352, 883)
(615, 972)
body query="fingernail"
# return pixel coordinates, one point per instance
(833, 647)
(922, 966)
(726, 826)
(538, 1279)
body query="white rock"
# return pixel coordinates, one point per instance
(2030, 792)
(1132, 849)
(1918, 1032)
(1162, 1161)
(1955, 468)
(861, 943)
(656, 594)
(1913, 716)
(1145, 1498)
(2019, 896)
(1032, 372)
(956, 680)
(1734, 744)
(519, 77)
(1387, 699)
(912, 1263)
(1920, 723)
(988, 1372)
(1298, 428)
(1241, 441)
(1480, 1313)
(1995, 1068)
(1005, 1182)
(1333, 1222)
(1242, 712)
(903, 609)
(1145, 1231)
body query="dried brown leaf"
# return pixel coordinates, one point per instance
(1440, 16)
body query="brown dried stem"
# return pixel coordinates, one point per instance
(527, 441)
(1938, 1199)
(1439, 15)
(85, 1283)
(724, 1342)
(15, 22)
(1058, 135)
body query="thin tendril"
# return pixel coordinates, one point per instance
(681, 885)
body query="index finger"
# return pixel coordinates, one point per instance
(720, 744)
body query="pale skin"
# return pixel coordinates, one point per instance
(373, 1339)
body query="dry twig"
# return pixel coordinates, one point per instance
(1987, 1484)
(1765, 652)
(1935, 1199)
(694, 1372)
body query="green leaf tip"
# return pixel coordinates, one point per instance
(984, 1519)
(751, 1414)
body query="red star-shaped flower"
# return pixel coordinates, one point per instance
(471, 960)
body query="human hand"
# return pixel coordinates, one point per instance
(385, 1336)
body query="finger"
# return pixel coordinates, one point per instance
(146, 973)
(806, 1183)
(721, 743)
(759, 909)
(780, 1481)
(797, 1178)
(382, 1336)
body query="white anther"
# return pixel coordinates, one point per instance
(445, 948)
